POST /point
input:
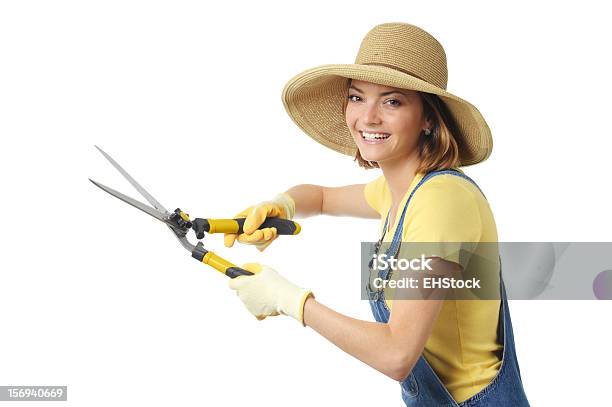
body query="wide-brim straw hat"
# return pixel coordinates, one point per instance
(398, 55)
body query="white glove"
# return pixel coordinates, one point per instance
(267, 293)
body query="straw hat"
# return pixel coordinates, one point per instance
(393, 54)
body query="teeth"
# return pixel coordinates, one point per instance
(374, 136)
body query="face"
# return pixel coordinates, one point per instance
(385, 122)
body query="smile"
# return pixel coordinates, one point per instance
(374, 138)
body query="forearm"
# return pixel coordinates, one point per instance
(308, 199)
(371, 342)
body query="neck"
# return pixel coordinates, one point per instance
(399, 174)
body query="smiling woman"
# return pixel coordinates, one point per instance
(437, 146)
(390, 110)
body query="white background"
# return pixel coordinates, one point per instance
(186, 95)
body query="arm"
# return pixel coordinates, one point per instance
(347, 200)
(301, 201)
(392, 348)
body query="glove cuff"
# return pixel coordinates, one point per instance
(287, 203)
(307, 294)
(294, 303)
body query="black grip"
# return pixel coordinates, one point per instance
(199, 252)
(283, 226)
(200, 226)
(234, 272)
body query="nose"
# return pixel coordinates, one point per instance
(370, 114)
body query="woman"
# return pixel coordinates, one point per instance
(391, 110)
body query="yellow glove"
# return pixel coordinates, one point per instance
(267, 293)
(281, 206)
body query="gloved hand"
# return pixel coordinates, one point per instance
(282, 206)
(267, 293)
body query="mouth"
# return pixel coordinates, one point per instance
(373, 138)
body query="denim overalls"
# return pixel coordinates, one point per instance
(423, 387)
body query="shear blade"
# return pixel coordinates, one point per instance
(158, 211)
(136, 204)
(134, 183)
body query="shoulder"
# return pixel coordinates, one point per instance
(376, 193)
(448, 190)
(376, 184)
(445, 208)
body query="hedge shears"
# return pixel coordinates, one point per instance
(180, 224)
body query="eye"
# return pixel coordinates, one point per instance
(353, 98)
(394, 102)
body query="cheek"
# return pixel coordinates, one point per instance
(350, 118)
(403, 124)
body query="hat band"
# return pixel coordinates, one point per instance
(395, 68)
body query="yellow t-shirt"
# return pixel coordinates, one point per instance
(463, 348)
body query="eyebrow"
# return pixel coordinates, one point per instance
(381, 94)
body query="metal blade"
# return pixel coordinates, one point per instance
(136, 204)
(159, 212)
(134, 183)
(180, 235)
(184, 242)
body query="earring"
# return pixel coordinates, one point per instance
(427, 132)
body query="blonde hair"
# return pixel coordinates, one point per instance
(440, 149)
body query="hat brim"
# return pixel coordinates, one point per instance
(314, 99)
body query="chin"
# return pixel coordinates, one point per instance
(372, 157)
